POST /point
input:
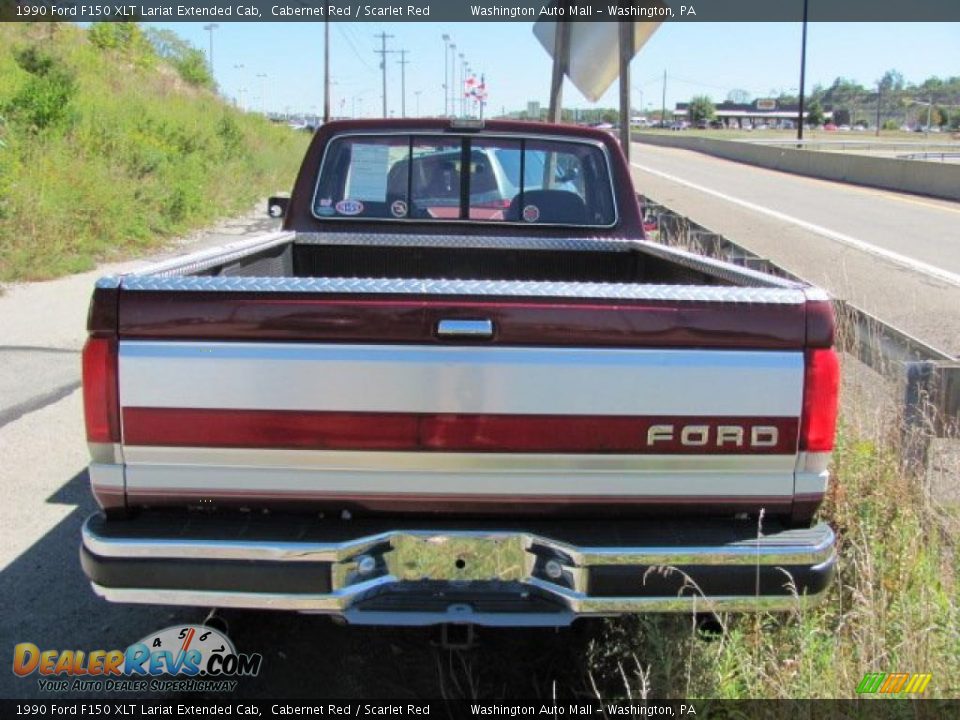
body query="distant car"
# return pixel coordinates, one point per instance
(716, 125)
(844, 128)
(830, 127)
(702, 125)
(679, 125)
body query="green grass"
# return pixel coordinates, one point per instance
(893, 607)
(108, 155)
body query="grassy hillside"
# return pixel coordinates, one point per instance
(107, 148)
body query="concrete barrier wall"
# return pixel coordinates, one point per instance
(936, 179)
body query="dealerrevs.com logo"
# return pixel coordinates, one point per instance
(181, 658)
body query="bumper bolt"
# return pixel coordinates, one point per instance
(553, 569)
(366, 564)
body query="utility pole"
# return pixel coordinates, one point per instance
(403, 62)
(663, 111)
(210, 28)
(803, 72)
(382, 52)
(326, 71)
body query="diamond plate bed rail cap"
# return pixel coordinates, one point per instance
(502, 288)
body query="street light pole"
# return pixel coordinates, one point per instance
(453, 79)
(803, 72)
(210, 28)
(240, 67)
(403, 62)
(463, 79)
(879, 97)
(263, 92)
(446, 75)
(663, 110)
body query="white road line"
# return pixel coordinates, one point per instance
(903, 260)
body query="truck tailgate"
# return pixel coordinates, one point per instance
(575, 398)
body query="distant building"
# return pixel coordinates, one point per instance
(745, 115)
(533, 109)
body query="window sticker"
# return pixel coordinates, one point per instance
(349, 207)
(531, 213)
(398, 209)
(368, 172)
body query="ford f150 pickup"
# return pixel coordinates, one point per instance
(459, 386)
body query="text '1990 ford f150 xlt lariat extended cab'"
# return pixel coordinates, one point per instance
(459, 386)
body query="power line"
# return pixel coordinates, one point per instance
(353, 47)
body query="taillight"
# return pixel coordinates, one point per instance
(100, 398)
(821, 384)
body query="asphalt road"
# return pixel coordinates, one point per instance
(893, 254)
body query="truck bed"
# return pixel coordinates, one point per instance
(466, 257)
(412, 411)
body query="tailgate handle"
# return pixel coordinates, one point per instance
(465, 328)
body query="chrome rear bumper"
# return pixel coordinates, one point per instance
(384, 572)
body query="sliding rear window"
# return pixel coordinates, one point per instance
(471, 178)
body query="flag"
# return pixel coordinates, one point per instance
(479, 91)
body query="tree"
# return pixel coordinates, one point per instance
(815, 114)
(44, 100)
(189, 62)
(892, 81)
(610, 116)
(700, 108)
(123, 37)
(841, 116)
(738, 96)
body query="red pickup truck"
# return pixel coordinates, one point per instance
(459, 386)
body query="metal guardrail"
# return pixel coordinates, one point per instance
(929, 378)
(852, 144)
(942, 156)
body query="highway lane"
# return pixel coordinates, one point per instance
(894, 254)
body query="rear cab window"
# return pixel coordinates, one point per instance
(474, 178)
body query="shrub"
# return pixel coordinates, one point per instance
(44, 101)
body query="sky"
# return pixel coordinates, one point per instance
(699, 58)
